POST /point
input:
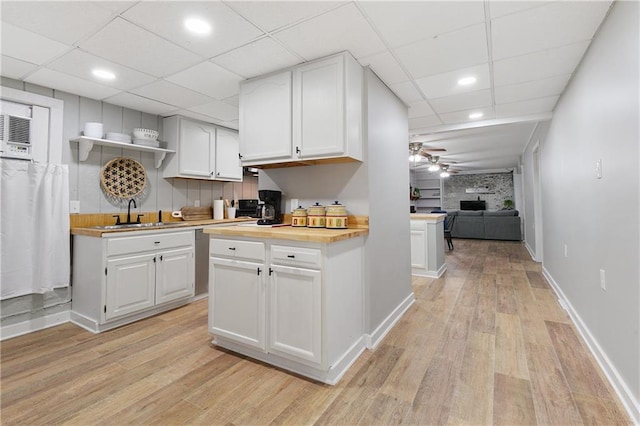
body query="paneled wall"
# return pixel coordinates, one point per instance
(500, 188)
(84, 177)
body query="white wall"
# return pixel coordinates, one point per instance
(388, 251)
(598, 118)
(528, 206)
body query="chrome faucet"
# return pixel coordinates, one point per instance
(129, 210)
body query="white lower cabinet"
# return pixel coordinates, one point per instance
(236, 302)
(295, 313)
(123, 277)
(297, 306)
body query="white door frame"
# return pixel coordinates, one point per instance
(537, 202)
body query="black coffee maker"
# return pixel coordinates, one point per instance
(270, 214)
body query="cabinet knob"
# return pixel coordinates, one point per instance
(259, 270)
(240, 156)
(232, 248)
(298, 150)
(291, 256)
(218, 174)
(211, 174)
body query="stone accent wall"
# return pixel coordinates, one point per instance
(500, 188)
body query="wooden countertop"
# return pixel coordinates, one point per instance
(437, 217)
(317, 235)
(91, 231)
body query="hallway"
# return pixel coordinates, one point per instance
(485, 344)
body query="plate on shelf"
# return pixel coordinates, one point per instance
(118, 137)
(147, 142)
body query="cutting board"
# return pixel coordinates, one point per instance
(197, 213)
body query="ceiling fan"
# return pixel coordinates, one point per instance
(418, 150)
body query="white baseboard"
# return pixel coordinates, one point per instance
(617, 382)
(531, 253)
(34, 324)
(374, 339)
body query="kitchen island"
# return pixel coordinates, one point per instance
(290, 297)
(427, 244)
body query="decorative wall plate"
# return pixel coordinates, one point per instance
(122, 179)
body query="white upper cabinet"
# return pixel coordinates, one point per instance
(265, 119)
(202, 150)
(197, 156)
(321, 123)
(227, 160)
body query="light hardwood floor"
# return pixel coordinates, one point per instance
(485, 344)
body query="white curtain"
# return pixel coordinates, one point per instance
(34, 227)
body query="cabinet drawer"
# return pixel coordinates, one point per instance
(142, 243)
(253, 250)
(296, 256)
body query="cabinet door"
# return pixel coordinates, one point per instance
(237, 301)
(265, 118)
(174, 274)
(295, 315)
(318, 105)
(130, 284)
(418, 248)
(227, 161)
(196, 149)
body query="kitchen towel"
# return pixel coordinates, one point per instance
(218, 209)
(34, 227)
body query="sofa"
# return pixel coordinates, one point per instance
(487, 225)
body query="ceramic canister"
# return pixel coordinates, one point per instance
(336, 216)
(299, 217)
(316, 216)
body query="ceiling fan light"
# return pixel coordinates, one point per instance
(444, 174)
(434, 168)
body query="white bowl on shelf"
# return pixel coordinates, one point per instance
(147, 134)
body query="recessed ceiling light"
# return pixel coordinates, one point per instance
(466, 81)
(475, 115)
(197, 26)
(103, 74)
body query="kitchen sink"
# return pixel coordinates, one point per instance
(138, 225)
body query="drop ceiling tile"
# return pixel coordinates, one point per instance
(463, 116)
(257, 58)
(138, 103)
(115, 6)
(28, 46)
(81, 64)
(166, 19)
(404, 22)
(533, 106)
(419, 109)
(407, 92)
(218, 110)
(386, 67)
(209, 79)
(423, 122)
(130, 45)
(340, 29)
(552, 25)
(532, 89)
(15, 68)
(501, 8)
(232, 100)
(539, 65)
(448, 52)
(171, 94)
(64, 21)
(445, 84)
(270, 15)
(462, 101)
(60, 81)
